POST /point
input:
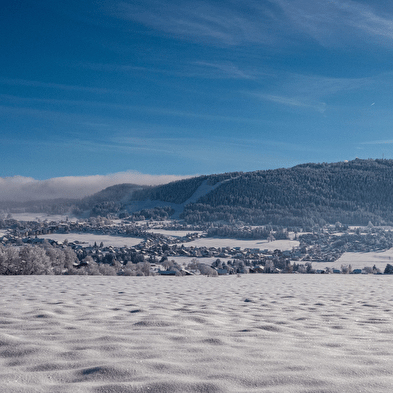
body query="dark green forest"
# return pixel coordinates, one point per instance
(354, 192)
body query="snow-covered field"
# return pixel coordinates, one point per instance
(90, 238)
(256, 333)
(41, 216)
(360, 259)
(261, 244)
(168, 232)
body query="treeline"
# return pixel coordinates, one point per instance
(30, 260)
(49, 260)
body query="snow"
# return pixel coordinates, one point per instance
(256, 333)
(261, 244)
(358, 260)
(168, 232)
(89, 239)
(42, 217)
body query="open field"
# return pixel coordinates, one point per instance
(256, 333)
(261, 244)
(41, 216)
(358, 260)
(90, 238)
(168, 232)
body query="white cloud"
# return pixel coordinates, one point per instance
(20, 188)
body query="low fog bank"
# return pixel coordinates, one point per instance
(23, 189)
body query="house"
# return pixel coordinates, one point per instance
(167, 272)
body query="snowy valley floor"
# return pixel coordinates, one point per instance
(254, 333)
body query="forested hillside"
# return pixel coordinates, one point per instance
(354, 192)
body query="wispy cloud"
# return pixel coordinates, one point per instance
(298, 102)
(283, 146)
(68, 109)
(317, 85)
(229, 23)
(337, 23)
(196, 69)
(331, 23)
(309, 91)
(340, 23)
(19, 188)
(222, 70)
(234, 149)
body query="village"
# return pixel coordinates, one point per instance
(177, 255)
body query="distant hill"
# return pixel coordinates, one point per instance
(110, 200)
(355, 192)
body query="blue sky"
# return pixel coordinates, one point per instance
(192, 87)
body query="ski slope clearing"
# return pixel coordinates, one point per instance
(256, 333)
